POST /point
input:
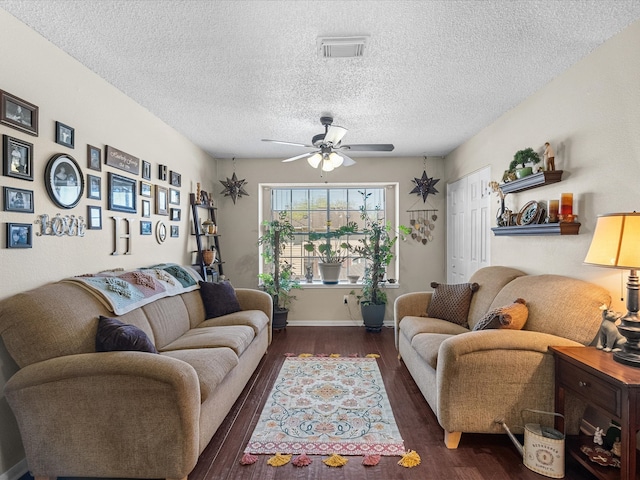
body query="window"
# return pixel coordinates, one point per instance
(321, 207)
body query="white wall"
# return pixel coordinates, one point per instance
(591, 116)
(36, 71)
(419, 264)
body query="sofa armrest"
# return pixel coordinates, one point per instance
(493, 374)
(252, 299)
(82, 415)
(412, 304)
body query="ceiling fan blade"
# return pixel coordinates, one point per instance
(370, 147)
(293, 144)
(298, 157)
(334, 134)
(348, 161)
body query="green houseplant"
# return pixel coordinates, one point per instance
(377, 248)
(521, 158)
(332, 250)
(280, 280)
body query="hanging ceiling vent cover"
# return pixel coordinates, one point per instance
(341, 47)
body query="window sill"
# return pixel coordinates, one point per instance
(342, 285)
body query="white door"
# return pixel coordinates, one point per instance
(468, 225)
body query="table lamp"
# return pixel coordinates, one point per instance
(616, 244)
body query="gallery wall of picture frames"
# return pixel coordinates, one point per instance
(65, 179)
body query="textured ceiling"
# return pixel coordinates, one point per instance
(229, 73)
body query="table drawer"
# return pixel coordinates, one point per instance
(590, 387)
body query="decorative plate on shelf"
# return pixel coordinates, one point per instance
(528, 213)
(600, 456)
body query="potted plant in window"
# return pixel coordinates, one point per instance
(376, 247)
(280, 280)
(332, 251)
(521, 158)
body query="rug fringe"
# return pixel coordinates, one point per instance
(371, 460)
(278, 460)
(248, 459)
(334, 355)
(305, 355)
(410, 459)
(335, 460)
(302, 460)
(372, 355)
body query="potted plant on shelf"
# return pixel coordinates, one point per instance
(280, 280)
(521, 158)
(376, 247)
(332, 251)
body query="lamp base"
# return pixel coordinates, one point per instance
(630, 329)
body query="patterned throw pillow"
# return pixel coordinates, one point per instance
(113, 335)
(219, 298)
(511, 317)
(451, 302)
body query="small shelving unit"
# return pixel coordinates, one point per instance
(205, 241)
(527, 183)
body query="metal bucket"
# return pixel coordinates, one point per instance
(544, 448)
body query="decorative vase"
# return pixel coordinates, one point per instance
(330, 272)
(523, 172)
(373, 316)
(208, 256)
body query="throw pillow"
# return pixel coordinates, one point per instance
(451, 302)
(113, 335)
(512, 317)
(219, 298)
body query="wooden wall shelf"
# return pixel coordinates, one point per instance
(538, 229)
(532, 181)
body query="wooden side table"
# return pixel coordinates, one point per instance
(612, 388)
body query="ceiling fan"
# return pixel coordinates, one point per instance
(328, 149)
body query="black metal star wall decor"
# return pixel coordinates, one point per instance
(234, 188)
(424, 186)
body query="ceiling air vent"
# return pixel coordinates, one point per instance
(341, 47)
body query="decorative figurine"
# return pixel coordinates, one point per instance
(616, 449)
(609, 338)
(549, 158)
(309, 273)
(597, 437)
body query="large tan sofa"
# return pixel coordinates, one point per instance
(126, 413)
(471, 378)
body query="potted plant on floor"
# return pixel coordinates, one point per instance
(280, 280)
(331, 250)
(376, 247)
(521, 158)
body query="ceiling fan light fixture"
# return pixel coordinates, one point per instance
(335, 160)
(314, 160)
(327, 166)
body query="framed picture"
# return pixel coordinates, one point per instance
(18, 200)
(65, 135)
(146, 170)
(122, 160)
(94, 162)
(19, 235)
(94, 215)
(64, 180)
(122, 193)
(174, 196)
(145, 189)
(145, 228)
(175, 215)
(162, 173)
(162, 200)
(175, 179)
(94, 187)
(175, 231)
(204, 198)
(146, 208)
(18, 113)
(18, 158)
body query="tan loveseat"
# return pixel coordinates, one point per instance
(471, 378)
(126, 413)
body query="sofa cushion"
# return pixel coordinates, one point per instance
(427, 346)
(512, 317)
(211, 365)
(412, 326)
(236, 337)
(219, 299)
(451, 301)
(256, 319)
(113, 335)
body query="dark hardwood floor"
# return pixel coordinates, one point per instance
(478, 456)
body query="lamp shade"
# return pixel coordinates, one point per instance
(616, 241)
(314, 160)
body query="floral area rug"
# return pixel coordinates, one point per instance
(322, 406)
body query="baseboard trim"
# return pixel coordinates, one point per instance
(15, 472)
(331, 323)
